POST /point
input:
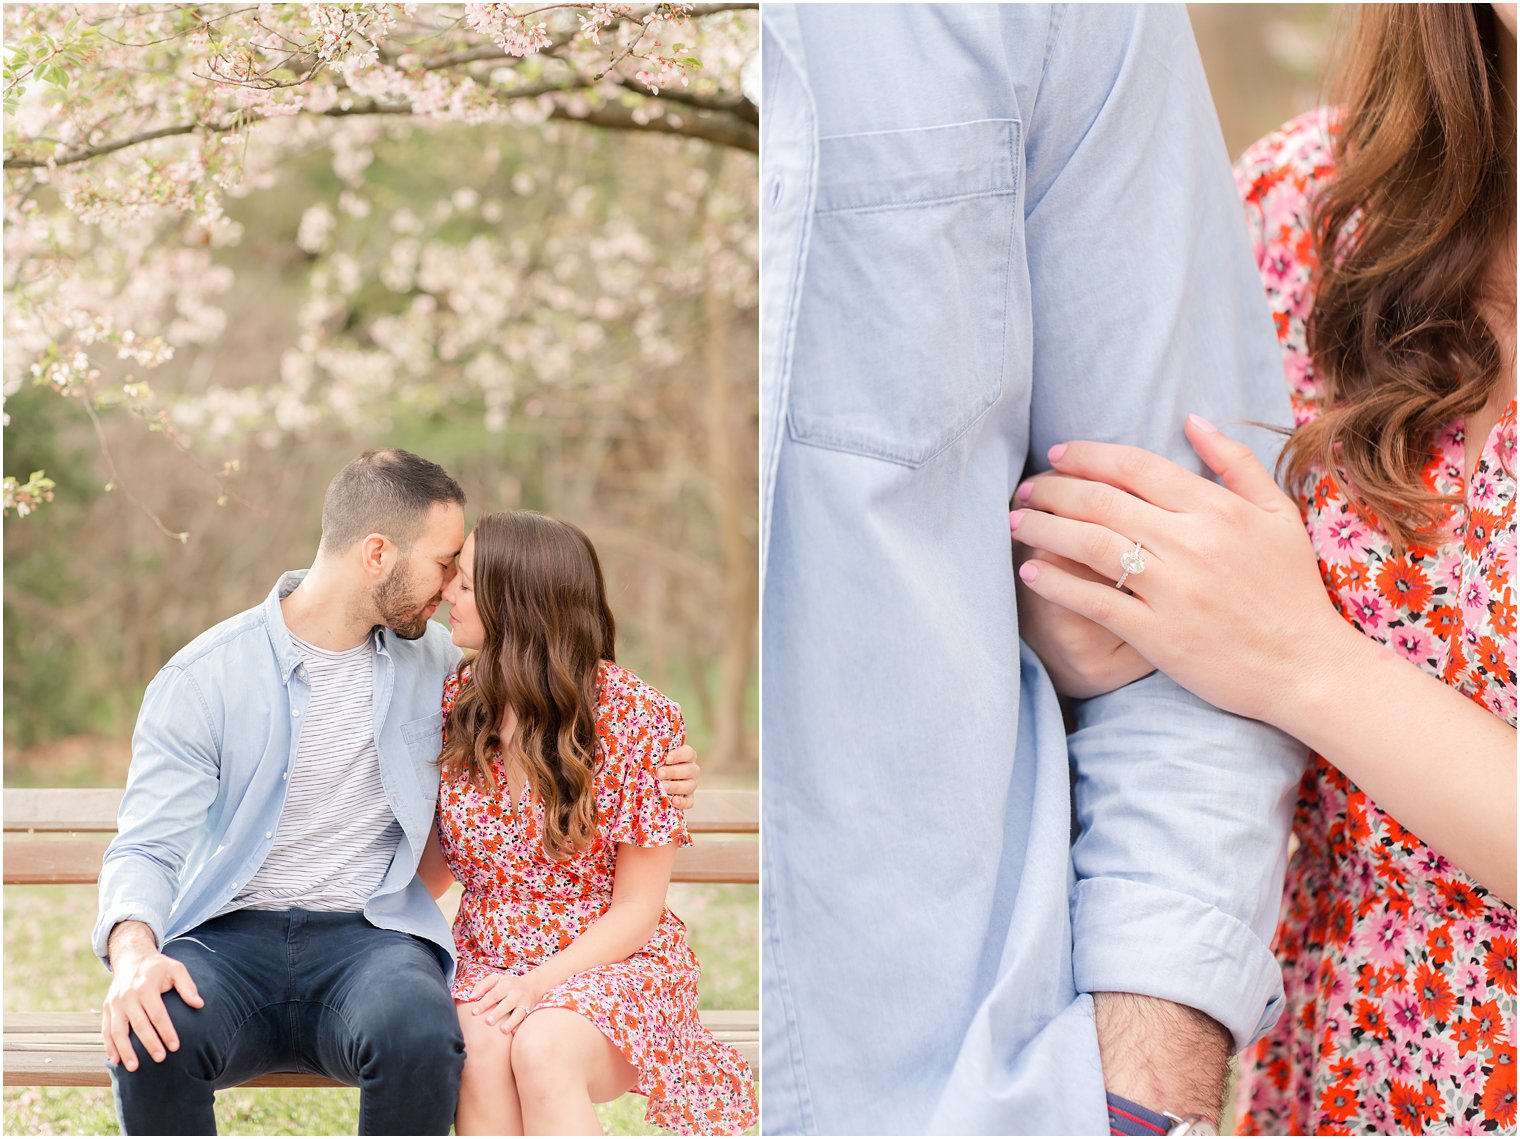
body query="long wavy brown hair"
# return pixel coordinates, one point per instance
(1406, 233)
(541, 599)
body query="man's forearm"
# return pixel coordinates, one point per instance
(1163, 1055)
(130, 939)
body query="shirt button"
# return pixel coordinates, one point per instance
(295, 712)
(284, 775)
(269, 834)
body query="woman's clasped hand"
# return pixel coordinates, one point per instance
(504, 1000)
(1225, 596)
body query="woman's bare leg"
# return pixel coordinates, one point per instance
(563, 1065)
(487, 1086)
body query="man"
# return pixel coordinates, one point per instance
(990, 229)
(259, 906)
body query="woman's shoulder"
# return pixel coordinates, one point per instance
(454, 685)
(626, 704)
(1279, 177)
(1281, 170)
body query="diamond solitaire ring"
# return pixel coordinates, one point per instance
(1131, 562)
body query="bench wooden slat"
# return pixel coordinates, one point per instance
(732, 862)
(93, 809)
(77, 861)
(724, 812)
(52, 809)
(66, 861)
(63, 1049)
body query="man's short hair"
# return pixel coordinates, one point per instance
(388, 492)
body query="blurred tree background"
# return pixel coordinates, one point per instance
(243, 244)
(1266, 63)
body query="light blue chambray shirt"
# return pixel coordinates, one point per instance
(211, 761)
(986, 230)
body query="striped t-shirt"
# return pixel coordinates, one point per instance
(337, 833)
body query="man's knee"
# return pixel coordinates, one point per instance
(411, 1032)
(200, 1054)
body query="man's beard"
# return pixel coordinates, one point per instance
(398, 612)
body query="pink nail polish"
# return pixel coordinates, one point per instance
(1024, 491)
(1200, 421)
(1027, 571)
(1055, 453)
(1014, 519)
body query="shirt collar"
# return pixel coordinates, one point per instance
(274, 619)
(279, 635)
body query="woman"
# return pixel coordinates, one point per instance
(575, 983)
(1386, 243)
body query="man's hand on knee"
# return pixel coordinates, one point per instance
(135, 1001)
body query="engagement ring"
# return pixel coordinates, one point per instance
(1131, 562)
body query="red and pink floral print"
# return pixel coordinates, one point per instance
(520, 907)
(1399, 968)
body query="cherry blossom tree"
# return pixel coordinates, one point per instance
(139, 118)
(244, 237)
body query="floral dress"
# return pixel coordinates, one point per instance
(519, 908)
(1399, 968)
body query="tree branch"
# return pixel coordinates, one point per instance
(492, 52)
(732, 105)
(741, 134)
(728, 131)
(13, 162)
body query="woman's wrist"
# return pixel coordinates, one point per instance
(1307, 690)
(540, 980)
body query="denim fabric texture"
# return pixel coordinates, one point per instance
(988, 229)
(298, 991)
(212, 755)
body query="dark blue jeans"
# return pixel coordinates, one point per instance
(300, 991)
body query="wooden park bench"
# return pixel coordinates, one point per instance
(64, 1048)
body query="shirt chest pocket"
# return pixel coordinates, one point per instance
(902, 334)
(424, 740)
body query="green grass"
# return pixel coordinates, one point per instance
(49, 968)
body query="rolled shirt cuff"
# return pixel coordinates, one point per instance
(110, 919)
(1133, 937)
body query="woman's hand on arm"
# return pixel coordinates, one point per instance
(1231, 605)
(639, 885)
(1082, 657)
